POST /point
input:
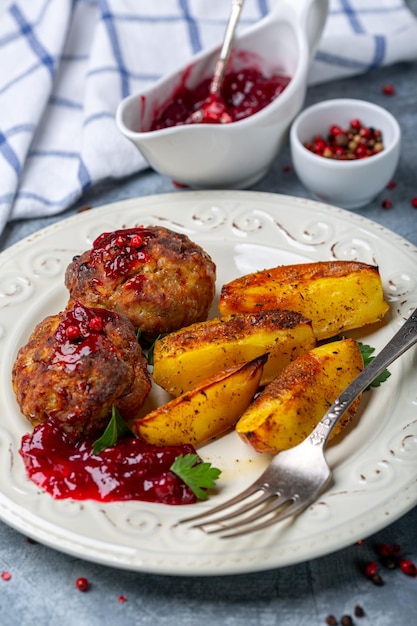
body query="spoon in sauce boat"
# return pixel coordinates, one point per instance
(213, 109)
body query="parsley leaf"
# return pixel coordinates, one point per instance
(367, 352)
(116, 427)
(197, 476)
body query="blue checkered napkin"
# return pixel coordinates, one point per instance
(362, 35)
(66, 64)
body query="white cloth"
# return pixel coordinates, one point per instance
(66, 64)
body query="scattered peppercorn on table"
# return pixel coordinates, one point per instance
(373, 581)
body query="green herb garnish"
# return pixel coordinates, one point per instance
(116, 428)
(152, 347)
(367, 352)
(197, 476)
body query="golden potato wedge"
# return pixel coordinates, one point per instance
(336, 295)
(203, 413)
(185, 358)
(288, 409)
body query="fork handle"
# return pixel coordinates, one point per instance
(398, 344)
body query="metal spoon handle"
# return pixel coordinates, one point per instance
(221, 64)
(403, 339)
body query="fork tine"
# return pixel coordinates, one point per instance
(292, 509)
(277, 501)
(263, 497)
(251, 490)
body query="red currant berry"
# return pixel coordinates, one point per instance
(391, 185)
(119, 241)
(96, 324)
(414, 202)
(72, 332)
(386, 204)
(82, 584)
(136, 241)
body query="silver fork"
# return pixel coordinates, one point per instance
(296, 477)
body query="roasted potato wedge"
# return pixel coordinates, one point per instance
(185, 358)
(203, 413)
(288, 409)
(336, 295)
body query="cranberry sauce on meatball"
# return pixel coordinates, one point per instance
(159, 278)
(76, 366)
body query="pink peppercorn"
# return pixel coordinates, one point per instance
(336, 130)
(319, 145)
(355, 142)
(371, 569)
(388, 89)
(408, 568)
(361, 151)
(385, 549)
(82, 584)
(355, 124)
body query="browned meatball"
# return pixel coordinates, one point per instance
(76, 366)
(160, 279)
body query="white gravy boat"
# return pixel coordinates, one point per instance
(238, 154)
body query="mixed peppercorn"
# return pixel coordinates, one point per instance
(355, 142)
(388, 557)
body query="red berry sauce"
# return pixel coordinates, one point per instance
(120, 252)
(129, 470)
(244, 93)
(81, 333)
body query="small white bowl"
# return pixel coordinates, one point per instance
(347, 184)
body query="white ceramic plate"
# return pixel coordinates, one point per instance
(374, 464)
